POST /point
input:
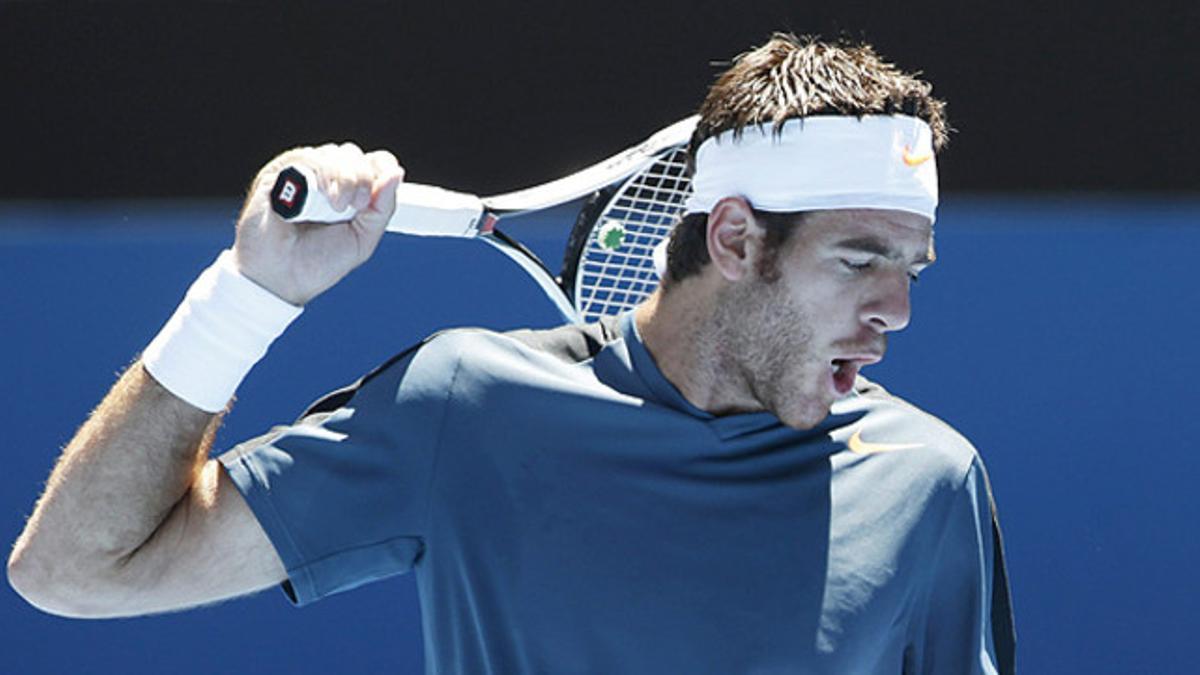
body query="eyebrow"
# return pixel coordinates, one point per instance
(880, 247)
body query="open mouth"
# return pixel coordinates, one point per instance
(843, 372)
(844, 369)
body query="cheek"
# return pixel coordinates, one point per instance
(833, 298)
(815, 281)
(823, 301)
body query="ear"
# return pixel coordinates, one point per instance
(734, 238)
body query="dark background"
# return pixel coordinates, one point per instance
(188, 99)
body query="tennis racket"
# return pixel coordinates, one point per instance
(626, 208)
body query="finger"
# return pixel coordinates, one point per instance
(385, 163)
(338, 172)
(383, 202)
(386, 167)
(362, 193)
(355, 176)
(388, 173)
(323, 161)
(338, 164)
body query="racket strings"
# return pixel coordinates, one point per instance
(616, 268)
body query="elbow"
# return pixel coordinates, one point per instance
(23, 579)
(33, 587)
(44, 588)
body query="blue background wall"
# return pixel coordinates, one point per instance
(1057, 334)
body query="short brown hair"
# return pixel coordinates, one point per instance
(791, 77)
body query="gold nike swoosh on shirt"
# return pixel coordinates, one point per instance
(915, 160)
(859, 446)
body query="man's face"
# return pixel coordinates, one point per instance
(843, 283)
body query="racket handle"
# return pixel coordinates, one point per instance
(420, 209)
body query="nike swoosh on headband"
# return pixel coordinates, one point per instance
(915, 160)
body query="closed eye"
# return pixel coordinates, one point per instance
(914, 276)
(915, 271)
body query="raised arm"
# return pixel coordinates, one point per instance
(135, 518)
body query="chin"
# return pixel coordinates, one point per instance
(804, 417)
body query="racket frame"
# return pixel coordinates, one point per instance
(431, 211)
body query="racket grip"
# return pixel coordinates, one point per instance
(420, 209)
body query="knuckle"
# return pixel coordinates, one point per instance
(383, 160)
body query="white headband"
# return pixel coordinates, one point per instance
(821, 162)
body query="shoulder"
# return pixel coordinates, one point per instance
(516, 353)
(912, 437)
(465, 358)
(431, 366)
(572, 343)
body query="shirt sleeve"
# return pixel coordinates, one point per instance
(968, 627)
(342, 493)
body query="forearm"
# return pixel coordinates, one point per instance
(127, 467)
(133, 519)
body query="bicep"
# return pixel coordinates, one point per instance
(209, 548)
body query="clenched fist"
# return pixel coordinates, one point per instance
(297, 261)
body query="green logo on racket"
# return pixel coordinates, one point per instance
(611, 235)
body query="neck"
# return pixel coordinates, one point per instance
(686, 333)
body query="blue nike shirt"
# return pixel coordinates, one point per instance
(566, 510)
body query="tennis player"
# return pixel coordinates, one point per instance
(703, 485)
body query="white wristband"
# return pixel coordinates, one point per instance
(220, 330)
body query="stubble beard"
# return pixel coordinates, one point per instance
(768, 338)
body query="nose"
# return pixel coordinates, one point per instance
(888, 308)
